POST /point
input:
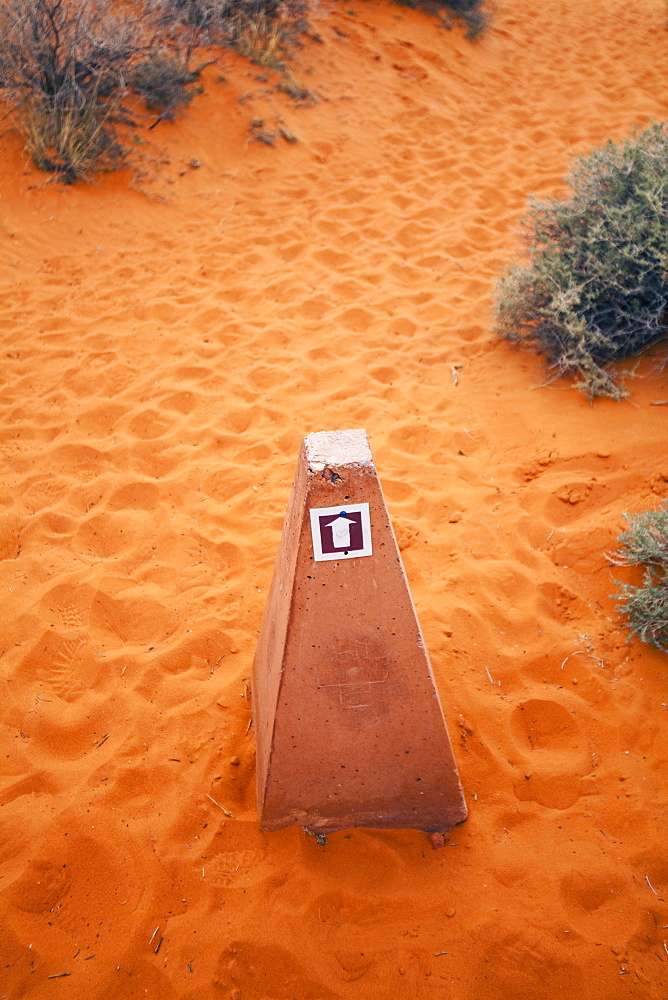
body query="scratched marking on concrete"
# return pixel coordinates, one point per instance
(355, 673)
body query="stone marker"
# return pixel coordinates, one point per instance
(348, 724)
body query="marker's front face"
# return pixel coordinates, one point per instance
(342, 532)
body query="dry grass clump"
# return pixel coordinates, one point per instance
(646, 544)
(72, 142)
(261, 30)
(596, 286)
(265, 32)
(165, 82)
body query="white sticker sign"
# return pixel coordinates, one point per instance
(342, 532)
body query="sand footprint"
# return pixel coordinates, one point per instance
(595, 894)
(523, 961)
(135, 496)
(43, 492)
(239, 860)
(41, 886)
(554, 751)
(269, 970)
(62, 732)
(101, 421)
(122, 612)
(356, 320)
(63, 658)
(589, 889)
(65, 676)
(80, 461)
(148, 425)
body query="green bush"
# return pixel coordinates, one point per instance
(470, 12)
(595, 289)
(646, 544)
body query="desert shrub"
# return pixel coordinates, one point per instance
(207, 17)
(595, 289)
(64, 66)
(64, 50)
(646, 544)
(261, 30)
(164, 81)
(470, 12)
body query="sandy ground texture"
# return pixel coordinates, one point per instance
(170, 334)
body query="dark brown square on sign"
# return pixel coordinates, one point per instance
(348, 531)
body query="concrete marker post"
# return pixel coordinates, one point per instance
(348, 724)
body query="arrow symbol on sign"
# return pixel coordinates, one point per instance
(340, 526)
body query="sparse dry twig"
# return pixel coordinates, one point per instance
(652, 887)
(226, 811)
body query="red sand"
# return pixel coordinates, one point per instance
(168, 342)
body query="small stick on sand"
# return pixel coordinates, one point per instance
(491, 679)
(59, 975)
(226, 811)
(153, 935)
(651, 886)
(658, 402)
(250, 723)
(442, 953)
(576, 653)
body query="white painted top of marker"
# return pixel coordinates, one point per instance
(334, 448)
